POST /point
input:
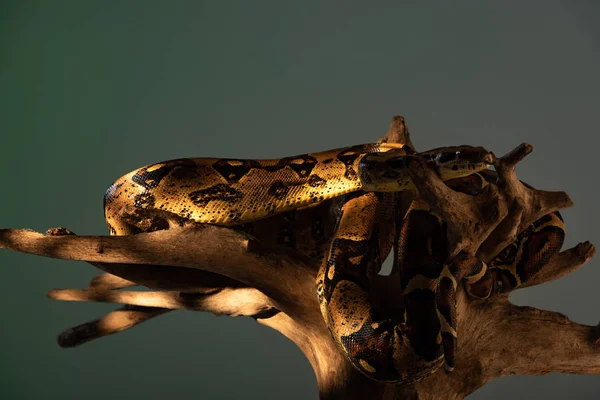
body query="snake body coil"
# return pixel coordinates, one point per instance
(289, 201)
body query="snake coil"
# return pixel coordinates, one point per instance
(289, 201)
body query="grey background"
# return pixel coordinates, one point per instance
(92, 89)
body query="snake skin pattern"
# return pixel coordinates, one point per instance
(341, 208)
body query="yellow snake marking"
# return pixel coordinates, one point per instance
(475, 278)
(154, 167)
(445, 325)
(331, 272)
(366, 365)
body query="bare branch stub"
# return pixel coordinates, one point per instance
(397, 133)
(278, 274)
(232, 302)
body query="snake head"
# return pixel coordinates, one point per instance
(388, 171)
(458, 161)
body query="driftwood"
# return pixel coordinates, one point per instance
(234, 274)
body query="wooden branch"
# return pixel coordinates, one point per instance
(232, 302)
(229, 273)
(190, 281)
(285, 279)
(109, 282)
(567, 346)
(143, 306)
(116, 321)
(168, 278)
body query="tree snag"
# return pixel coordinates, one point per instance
(234, 274)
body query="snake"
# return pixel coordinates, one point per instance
(341, 207)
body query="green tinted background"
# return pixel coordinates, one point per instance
(92, 89)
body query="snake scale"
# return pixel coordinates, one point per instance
(341, 207)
